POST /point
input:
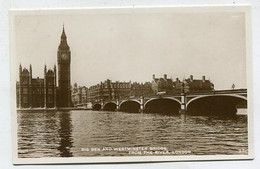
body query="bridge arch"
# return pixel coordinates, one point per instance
(215, 104)
(130, 106)
(109, 106)
(170, 98)
(97, 106)
(165, 105)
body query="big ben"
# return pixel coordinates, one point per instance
(64, 59)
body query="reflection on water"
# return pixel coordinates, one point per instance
(64, 134)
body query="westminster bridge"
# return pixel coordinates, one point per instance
(218, 101)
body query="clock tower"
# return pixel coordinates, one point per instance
(64, 58)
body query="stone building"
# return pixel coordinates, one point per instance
(177, 86)
(141, 89)
(119, 90)
(79, 95)
(197, 85)
(190, 85)
(36, 92)
(163, 84)
(109, 90)
(93, 94)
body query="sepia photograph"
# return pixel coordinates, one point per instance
(131, 84)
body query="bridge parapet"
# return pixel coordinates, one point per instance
(232, 91)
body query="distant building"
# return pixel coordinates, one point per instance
(163, 84)
(109, 90)
(84, 95)
(177, 86)
(36, 92)
(197, 85)
(119, 90)
(141, 89)
(79, 95)
(168, 86)
(93, 94)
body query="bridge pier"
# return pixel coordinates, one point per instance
(117, 105)
(141, 110)
(102, 105)
(183, 104)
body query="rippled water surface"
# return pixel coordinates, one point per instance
(66, 134)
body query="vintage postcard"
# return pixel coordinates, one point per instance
(131, 84)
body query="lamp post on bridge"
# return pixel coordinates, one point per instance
(233, 86)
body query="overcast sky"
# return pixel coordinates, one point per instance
(134, 46)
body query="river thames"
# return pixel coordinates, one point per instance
(83, 133)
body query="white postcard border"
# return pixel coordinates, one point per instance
(226, 8)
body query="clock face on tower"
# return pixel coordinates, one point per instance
(64, 56)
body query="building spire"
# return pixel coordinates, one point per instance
(63, 42)
(45, 69)
(20, 67)
(63, 35)
(30, 69)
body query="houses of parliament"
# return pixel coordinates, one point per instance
(44, 92)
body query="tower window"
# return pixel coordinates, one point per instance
(50, 91)
(50, 99)
(25, 99)
(25, 91)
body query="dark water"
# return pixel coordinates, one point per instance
(86, 133)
